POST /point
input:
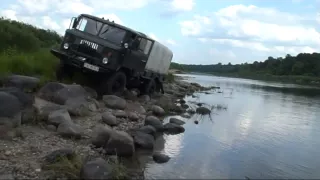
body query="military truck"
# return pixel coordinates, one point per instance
(115, 57)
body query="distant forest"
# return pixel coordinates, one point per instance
(304, 64)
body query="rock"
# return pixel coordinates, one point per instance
(114, 102)
(101, 135)
(92, 93)
(145, 98)
(196, 122)
(48, 91)
(136, 107)
(157, 110)
(177, 109)
(56, 155)
(25, 99)
(6, 176)
(182, 101)
(109, 119)
(160, 158)
(203, 110)
(173, 128)
(176, 121)
(14, 121)
(58, 117)
(51, 128)
(143, 140)
(191, 111)
(69, 92)
(165, 101)
(22, 82)
(9, 105)
(44, 111)
(148, 129)
(133, 116)
(28, 115)
(155, 122)
(80, 106)
(96, 169)
(184, 106)
(120, 114)
(129, 95)
(120, 143)
(185, 115)
(70, 130)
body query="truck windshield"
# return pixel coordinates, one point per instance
(108, 32)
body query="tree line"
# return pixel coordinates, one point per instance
(304, 64)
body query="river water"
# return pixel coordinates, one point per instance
(268, 130)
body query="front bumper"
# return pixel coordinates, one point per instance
(74, 61)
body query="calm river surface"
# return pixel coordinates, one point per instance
(268, 130)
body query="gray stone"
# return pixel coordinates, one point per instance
(9, 105)
(6, 176)
(28, 115)
(114, 102)
(143, 140)
(48, 91)
(120, 114)
(58, 117)
(109, 119)
(176, 121)
(51, 128)
(133, 116)
(120, 143)
(172, 128)
(13, 121)
(22, 82)
(25, 99)
(44, 111)
(136, 107)
(203, 110)
(96, 169)
(145, 98)
(69, 92)
(101, 135)
(148, 129)
(79, 106)
(155, 122)
(157, 110)
(160, 158)
(70, 130)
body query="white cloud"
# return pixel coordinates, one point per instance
(171, 42)
(260, 29)
(182, 5)
(11, 14)
(112, 17)
(49, 23)
(153, 36)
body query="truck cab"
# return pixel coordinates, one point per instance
(118, 57)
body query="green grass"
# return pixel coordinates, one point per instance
(40, 64)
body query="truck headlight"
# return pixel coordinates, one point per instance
(66, 46)
(105, 60)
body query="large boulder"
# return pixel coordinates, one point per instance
(80, 106)
(160, 158)
(148, 129)
(157, 110)
(114, 102)
(48, 91)
(10, 107)
(69, 92)
(176, 121)
(22, 82)
(25, 99)
(120, 143)
(143, 140)
(136, 107)
(172, 128)
(70, 130)
(109, 119)
(42, 112)
(155, 122)
(120, 114)
(101, 135)
(96, 169)
(58, 117)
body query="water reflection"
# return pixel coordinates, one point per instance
(266, 132)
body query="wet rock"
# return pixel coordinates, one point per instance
(109, 119)
(48, 91)
(182, 101)
(196, 122)
(176, 121)
(191, 111)
(203, 110)
(22, 82)
(120, 143)
(96, 169)
(114, 102)
(157, 110)
(148, 129)
(101, 135)
(184, 106)
(177, 109)
(51, 128)
(56, 155)
(145, 98)
(70, 130)
(172, 128)
(69, 92)
(155, 122)
(133, 116)
(143, 140)
(58, 117)
(160, 158)
(120, 114)
(25, 99)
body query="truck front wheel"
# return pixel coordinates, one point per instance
(115, 84)
(63, 72)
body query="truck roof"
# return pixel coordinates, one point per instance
(116, 25)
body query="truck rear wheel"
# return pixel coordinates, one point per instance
(115, 84)
(150, 87)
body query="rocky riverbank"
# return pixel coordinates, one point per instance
(63, 130)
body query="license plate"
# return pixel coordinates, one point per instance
(90, 66)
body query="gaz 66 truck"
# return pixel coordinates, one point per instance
(115, 57)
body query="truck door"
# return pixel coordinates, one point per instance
(137, 56)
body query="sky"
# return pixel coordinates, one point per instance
(197, 31)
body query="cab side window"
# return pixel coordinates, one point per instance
(144, 45)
